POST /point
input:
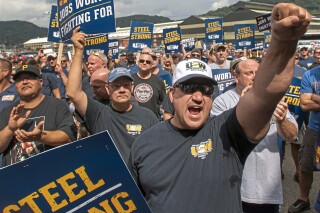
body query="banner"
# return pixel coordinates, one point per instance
(244, 36)
(93, 17)
(96, 43)
(189, 43)
(214, 31)
(317, 147)
(171, 40)
(114, 48)
(264, 22)
(266, 39)
(292, 98)
(167, 80)
(223, 77)
(141, 34)
(84, 176)
(53, 30)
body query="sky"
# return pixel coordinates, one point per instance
(35, 10)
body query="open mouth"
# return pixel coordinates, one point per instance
(194, 110)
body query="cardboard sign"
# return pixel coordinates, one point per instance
(93, 17)
(53, 30)
(84, 176)
(172, 40)
(244, 36)
(189, 43)
(114, 48)
(266, 39)
(96, 43)
(317, 147)
(141, 34)
(214, 32)
(292, 98)
(223, 77)
(264, 22)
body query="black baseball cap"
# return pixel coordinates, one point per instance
(32, 69)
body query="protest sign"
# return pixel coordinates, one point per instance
(244, 36)
(189, 43)
(292, 98)
(93, 17)
(96, 43)
(167, 80)
(53, 30)
(223, 77)
(266, 39)
(214, 32)
(140, 36)
(114, 48)
(317, 147)
(171, 40)
(264, 22)
(84, 176)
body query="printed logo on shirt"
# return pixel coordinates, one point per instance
(201, 150)
(143, 92)
(134, 129)
(7, 98)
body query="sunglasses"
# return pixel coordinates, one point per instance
(96, 53)
(63, 61)
(195, 55)
(316, 52)
(142, 61)
(205, 89)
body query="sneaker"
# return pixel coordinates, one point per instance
(296, 177)
(299, 206)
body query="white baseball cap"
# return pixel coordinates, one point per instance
(192, 68)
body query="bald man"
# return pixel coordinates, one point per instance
(98, 83)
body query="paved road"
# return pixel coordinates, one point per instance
(291, 188)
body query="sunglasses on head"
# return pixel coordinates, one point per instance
(205, 89)
(96, 53)
(142, 61)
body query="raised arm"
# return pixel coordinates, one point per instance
(288, 24)
(74, 86)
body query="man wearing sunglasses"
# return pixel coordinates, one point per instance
(194, 163)
(305, 60)
(123, 120)
(149, 89)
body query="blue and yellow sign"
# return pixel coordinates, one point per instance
(96, 43)
(266, 39)
(189, 43)
(172, 40)
(94, 17)
(140, 36)
(114, 48)
(53, 30)
(244, 36)
(214, 31)
(84, 176)
(264, 22)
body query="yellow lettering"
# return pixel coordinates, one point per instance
(69, 188)
(87, 181)
(128, 203)
(297, 90)
(51, 197)
(30, 201)
(105, 205)
(10, 208)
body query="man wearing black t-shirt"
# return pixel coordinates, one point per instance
(194, 163)
(123, 120)
(36, 122)
(149, 89)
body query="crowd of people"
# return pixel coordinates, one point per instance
(189, 147)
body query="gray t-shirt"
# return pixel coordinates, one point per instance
(192, 171)
(216, 66)
(123, 127)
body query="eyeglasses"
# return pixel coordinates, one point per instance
(96, 53)
(63, 61)
(142, 61)
(195, 55)
(316, 52)
(205, 89)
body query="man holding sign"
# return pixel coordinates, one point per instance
(193, 163)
